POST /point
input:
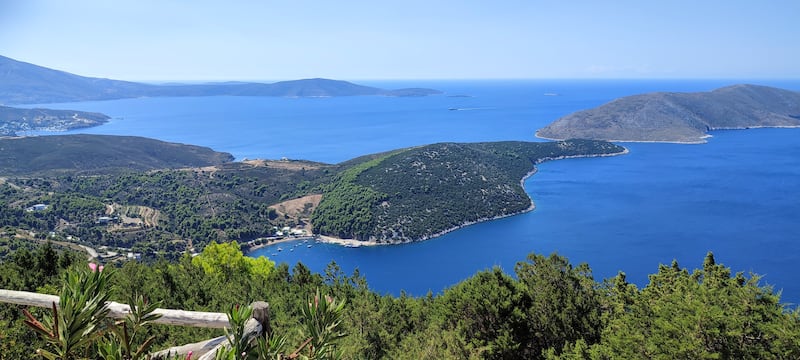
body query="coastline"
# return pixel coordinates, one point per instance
(701, 140)
(358, 243)
(348, 242)
(351, 242)
(252, 246)
(522, 184)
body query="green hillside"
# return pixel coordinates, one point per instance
(549, 309)
(416, 193)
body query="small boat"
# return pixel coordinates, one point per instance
(280, 249)
(309, 245)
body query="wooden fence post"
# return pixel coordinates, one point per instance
(207, 350)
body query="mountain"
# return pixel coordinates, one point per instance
(680, 117)
(24, 83)
(98, 154)
(418, 193)
(13, 120)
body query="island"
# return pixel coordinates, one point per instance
(15, 120)
(24, 83)
(680, 117)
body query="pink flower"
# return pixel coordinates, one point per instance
(95, 268)
(189, 355)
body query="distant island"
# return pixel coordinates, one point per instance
(680, 117)
(24, 83)
(14, 120)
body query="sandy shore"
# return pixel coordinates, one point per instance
(347, 242)
(321, 238)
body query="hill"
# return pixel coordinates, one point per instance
(417, 193)
(172, 197)
(96, 154)
(24, 83)
(13, 120)
(680, 117)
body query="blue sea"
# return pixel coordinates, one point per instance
(738, 195)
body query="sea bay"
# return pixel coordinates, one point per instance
(735, 196)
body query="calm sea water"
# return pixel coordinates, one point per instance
(737, 196)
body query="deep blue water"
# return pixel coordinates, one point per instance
(736, 196)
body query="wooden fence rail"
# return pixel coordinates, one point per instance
(119, 311)
(204, 350)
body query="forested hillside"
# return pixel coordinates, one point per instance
(549, 309)
(420, 192)
(160, 198)
(164, 211)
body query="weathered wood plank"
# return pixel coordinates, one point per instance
(207, 349)
(197, 349)
(118, 311)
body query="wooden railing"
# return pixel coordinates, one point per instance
(200, 350)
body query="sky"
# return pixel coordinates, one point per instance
(162, 40)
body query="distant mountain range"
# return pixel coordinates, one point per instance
(680, 117)
(24, 83)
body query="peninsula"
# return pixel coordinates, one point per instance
(422, 192)
(14, 120)
(154, 196)
(680, 117)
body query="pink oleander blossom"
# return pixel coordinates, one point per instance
(189, 355)
(95, 268)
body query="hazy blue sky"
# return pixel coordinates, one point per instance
(407, 39)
